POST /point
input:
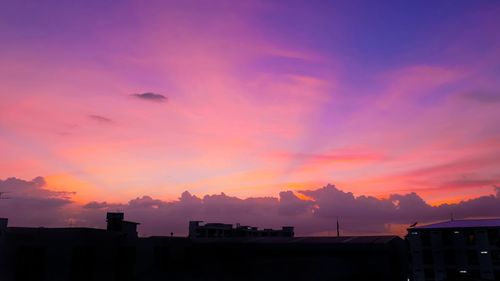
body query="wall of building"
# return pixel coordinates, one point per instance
(93, 254)
(447, 254)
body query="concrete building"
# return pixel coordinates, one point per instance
(221, 230)
(74, 253)
(357, 258)
(455, 250)
(117, 253)
(116, 223)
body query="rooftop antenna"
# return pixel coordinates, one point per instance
(338, 227)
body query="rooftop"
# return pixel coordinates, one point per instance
(305, 240)
(462, 224)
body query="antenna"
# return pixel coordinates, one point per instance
(338, 227)
(451, 216)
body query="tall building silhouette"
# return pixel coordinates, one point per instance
(455, 250)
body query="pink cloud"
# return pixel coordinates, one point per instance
(357, 214)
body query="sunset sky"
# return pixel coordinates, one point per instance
(107, 101)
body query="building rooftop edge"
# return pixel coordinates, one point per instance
(464, 223)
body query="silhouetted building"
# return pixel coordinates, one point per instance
(116, 223)
(455, 250)
(356, 258)
(3, 225)
(116, 253)
(222, 230)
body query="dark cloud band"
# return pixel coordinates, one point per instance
(151, 97)
(33, 204)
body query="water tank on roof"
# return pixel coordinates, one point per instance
(114, 221)
(114, 216)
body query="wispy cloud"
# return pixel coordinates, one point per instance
(334, 158)
(149, 96)
(100, 119)
(483, 96)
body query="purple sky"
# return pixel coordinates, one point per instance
(390, 101)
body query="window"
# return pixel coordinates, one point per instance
(426, 239)
(428, 257)
(497, 274)
(495, 257)
(472, 257)
(451, 274)
(30, 263)
(494, 237)
(429, 274)
(82, 263)
(450, 257)
(470, 237)
(447, 237)
(475, 273)
(124, 263)
(161, 258)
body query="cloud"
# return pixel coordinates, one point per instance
(456, 166)
(96, 205)
(483, 96)
(151, 97)
(332, 157)
(33, 204)
(346, 157)
(100, 119)
(291, 205)
(357, 214)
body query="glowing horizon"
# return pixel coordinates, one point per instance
(117, 100)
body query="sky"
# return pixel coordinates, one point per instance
(221, 110)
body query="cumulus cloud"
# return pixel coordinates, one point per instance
(317, 215)
(151, 97)
(291, 205)
(31, 204)
(357, 214)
